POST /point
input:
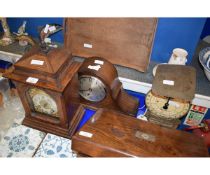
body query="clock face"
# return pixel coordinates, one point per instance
(91, 88)
(173, 110)
(42, 102)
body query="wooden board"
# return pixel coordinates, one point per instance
(118, 135)
(123, 41)
(183, 79)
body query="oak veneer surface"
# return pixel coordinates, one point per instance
(118, 135)
(122, 41)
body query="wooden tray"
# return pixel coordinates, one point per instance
(123, 41)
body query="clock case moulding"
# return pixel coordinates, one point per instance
(55, 79)
(182, 90)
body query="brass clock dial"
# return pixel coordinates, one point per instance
(42, 102)
(165, 107)
(91, 88)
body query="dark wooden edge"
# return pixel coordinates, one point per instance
(102, 151)
(46, 127)
(68, 45)
(76, 120)
(74, 66)
(4, 71)
(153, 36)
(61, 130)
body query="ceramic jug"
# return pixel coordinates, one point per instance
(179, 56)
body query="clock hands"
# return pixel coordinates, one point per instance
(86, 90)
(91, 88)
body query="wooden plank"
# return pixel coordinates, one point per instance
(123, 41)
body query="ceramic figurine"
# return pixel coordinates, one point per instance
(204, 58)
(23, 37)
(47, 31)
(7, 38)
(25, 40)
(22, 28)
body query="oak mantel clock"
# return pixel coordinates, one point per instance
(99, 87)
(43, 82)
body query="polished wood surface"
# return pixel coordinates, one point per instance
(56, 72)
(123, 41)
(118, 135)
(77, 117)
(51, 63)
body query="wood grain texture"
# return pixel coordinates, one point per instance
(118, 135)
(76, 120)
(123, 41)
(61, 69)
(184, 78)
(51, 64)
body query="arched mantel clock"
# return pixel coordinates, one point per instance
(99, 87)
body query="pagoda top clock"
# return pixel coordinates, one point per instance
(44, 83)
(52, 70)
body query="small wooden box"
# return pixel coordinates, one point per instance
(111, 134)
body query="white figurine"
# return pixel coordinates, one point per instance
(22, 28)
(179, 56)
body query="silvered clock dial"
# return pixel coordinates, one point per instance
(91, 88)
(42, 102)
(165, 107)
